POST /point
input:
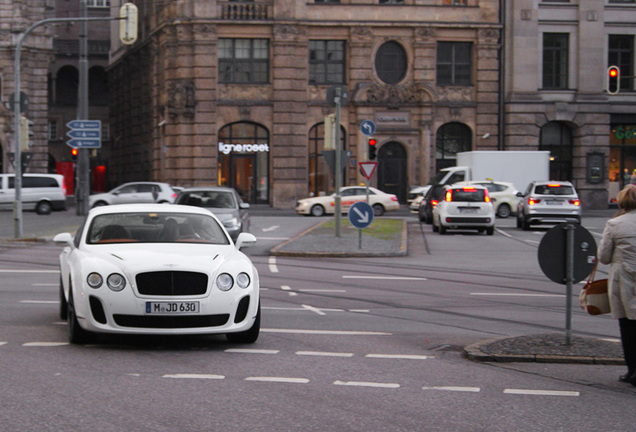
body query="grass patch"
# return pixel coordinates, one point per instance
(379, 228)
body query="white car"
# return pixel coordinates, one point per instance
(464, 207)
(318, 206)
(157, 269)
(502, 195)
(135, 192)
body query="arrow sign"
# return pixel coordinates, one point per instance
(367, 127)
(85, 124)
(84, 133)
(361, 215)
(84, 143)
(367, 169)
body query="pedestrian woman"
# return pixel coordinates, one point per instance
(618, 248)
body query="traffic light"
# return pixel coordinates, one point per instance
(372, 148)
(74, 154)
(613, 80)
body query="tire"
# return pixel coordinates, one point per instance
(525, 225)
(317, 210)
(504, 210)
(44, 208)
(519, 222)
(435, 228)
(442, 228)
(248, 336)
(76, 334)
(490, 230)
(378, 209)
(63, 303)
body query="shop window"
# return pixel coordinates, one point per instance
(556, 137)
(391, 62)
(321, 180)
(622, 157)
(555, 60)
(66, 86)
(243, 61)
(326, 62)
(451, 139)
(454, 63)
(98, 3)
(621, 54)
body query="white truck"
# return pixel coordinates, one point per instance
(517, 167)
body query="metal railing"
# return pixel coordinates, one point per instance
(245, 10)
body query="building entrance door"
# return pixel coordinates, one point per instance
(243, 172)
(392, 170)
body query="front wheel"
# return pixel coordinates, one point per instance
(63, 303)
(317, 210)
(248, 336)
(490, 230)
(76, 334)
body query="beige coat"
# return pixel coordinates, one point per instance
(618, 248)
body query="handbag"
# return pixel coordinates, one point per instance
(594, 298)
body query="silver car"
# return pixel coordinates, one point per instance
(548, 202)
(134, 193)
(224, 202)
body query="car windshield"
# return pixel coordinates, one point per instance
(155, 227)
(553, 189)
(468, 194)
(208, 199)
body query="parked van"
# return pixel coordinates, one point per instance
(40, 192)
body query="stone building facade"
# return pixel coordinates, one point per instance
(235, 93)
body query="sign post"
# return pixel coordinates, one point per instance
(337, 95)
(360, 216)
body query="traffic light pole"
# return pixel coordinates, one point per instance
(337, 197)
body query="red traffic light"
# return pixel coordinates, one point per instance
(372, 141)
(613, 72)
(613, 84)
(74, 152)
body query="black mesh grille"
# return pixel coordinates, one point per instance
(172, 283)
(165, 322)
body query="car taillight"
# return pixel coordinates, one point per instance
(486, 196)
(449, 195)
(533, 201)
(64, 186)
(575, 202)
(394, 198)
(434, 203)
(174, 195)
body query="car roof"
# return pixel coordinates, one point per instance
(147, 208)
(208, 188)
(549, 182)
(460, 186)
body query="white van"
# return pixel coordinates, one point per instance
(40, 192)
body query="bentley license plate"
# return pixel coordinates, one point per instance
(168, 308)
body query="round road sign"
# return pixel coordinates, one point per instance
(553, 253)
(361, 215)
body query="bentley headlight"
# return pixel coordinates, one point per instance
(243, 280)
(224, 281)
(116, 282)
(94, 280)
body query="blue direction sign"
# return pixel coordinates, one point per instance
(361, 215)
(85, 133)
(367, 127)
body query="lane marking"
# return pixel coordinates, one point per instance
(541, 392)
(45, 284)
(314, 309)
(383, 277)
(366, 384)
(2, 343)
(39, 301)
(194, 376)
(288, 289)
(327, 332)
(44, 344)
(273, 268)
(251, 351)
(279, 380)
(29, 271)
(323, 354)
(516, 295)
(323, 290)
(454, 389)
(272, 228)
(273, 238)
(399, 356)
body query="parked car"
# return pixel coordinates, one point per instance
(224, 202)
(318, 206)
(464, 207)
(502, 195)
(416, 192)
(40, 192)
(157, 269)
(548, 203)
(135, 192)
(429, 202)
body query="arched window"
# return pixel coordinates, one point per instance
(391, 62)
(321, 179)
(556, 137)
(66, 86)
(451, 139)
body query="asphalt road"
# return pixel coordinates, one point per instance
(359, 344)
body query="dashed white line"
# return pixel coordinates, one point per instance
(39, 301)
(279, 380)
(327, 332)
(323, 354)
(383, 277)
(454, 389)
(323, 290)
(399, 356)
(366, 384)
(2, 343)
(541, 392)
(271, 228)
(314, 309)
(28, 271)
(515, 295)
(273, 268)
(251, 351)
(194, 376)
(44, 344)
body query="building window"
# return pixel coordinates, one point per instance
(391, 62)
(556, 137)
(244, 61)
(454, 63)
(451, 139)
(52, 130)
(456, 2)
(326, 1)
(622, 1)
(391, 1)
(326, 62)
(621, 54)
(555, 60)
(98, 3)
(321, 180)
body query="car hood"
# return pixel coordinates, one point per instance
(223, 214)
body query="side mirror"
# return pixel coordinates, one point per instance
(244, 206)
(63, 239)
(245, 239)
(520, 194)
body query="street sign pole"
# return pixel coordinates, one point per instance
(337, 198)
